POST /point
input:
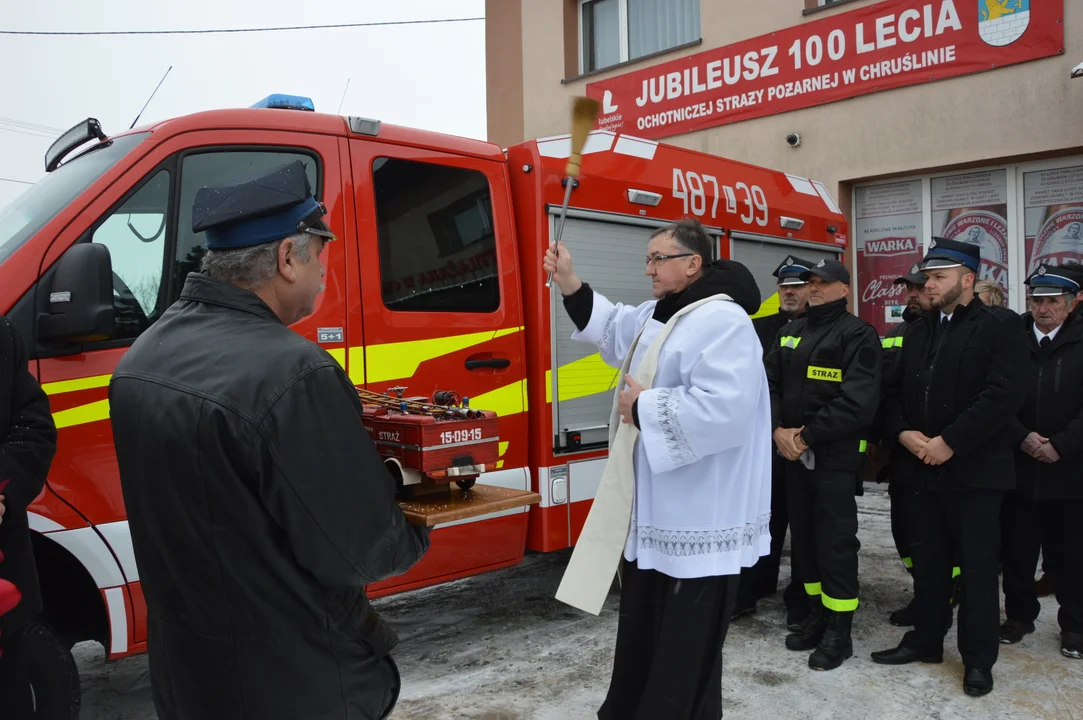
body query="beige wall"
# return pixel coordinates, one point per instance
(1020, 111)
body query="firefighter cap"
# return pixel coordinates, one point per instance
(1049, 281)
(789, 271)
(830, 270)
(259, 208)
(914, 277)
(947, 253)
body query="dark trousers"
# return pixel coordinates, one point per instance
(943, 521)
(668, 659)
(900, 525)
(761, 579)
(15, 697)
(1027, 524)
(823, 523)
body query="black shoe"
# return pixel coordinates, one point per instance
(795, 617)
(742, 610)
(1012, 631)
(836, 645)
(977, 682)
(903, 656)
(903, 617)
(811, 632)
(1071, 645)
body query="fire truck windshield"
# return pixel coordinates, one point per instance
(29, 212)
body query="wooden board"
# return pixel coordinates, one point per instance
(457, 504)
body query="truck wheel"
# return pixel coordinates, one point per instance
(466, 484)
(54, 678)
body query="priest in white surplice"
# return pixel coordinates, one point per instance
(686, 493)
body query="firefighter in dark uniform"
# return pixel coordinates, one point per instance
(761, 580)
(824, 372)
(1048, 436)
(950, 407)
(258, 505)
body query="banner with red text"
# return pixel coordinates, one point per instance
(887, 232)
(883, 46)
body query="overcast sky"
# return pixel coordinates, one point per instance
(425, 76)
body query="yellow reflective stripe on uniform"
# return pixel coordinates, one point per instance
(837, 604)
(863, 446)
(788, 341)
(887, 343)
(812, 588)
(392, 361)
(908, 562)
(956, 572)
(820, 373)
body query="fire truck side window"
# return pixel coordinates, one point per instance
(135, 234)
(436, 234)
(213, 168)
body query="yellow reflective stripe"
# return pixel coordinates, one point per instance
(392, 361)
(788, 341)
(357, 365)
(82, 414)
(955, 572)
(503, 449)
(839, 605)
(820, 373)
(339, 354)
(898, 341)
(583, 377)
(908, 562)
(812, 588)
(504, 401)
(67, 386)
(863, 445)
(769, 306)
(887, 342)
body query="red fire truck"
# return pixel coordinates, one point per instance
(436, 284)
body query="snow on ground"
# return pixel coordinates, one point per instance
(498, 646)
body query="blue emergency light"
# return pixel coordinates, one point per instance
(286, 102)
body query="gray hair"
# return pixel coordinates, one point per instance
(252, 267)
(690, 236)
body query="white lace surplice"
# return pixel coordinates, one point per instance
(703, 458)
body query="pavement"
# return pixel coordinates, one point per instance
(499, 647)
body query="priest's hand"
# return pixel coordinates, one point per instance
(558, 261)
(628, 397)
(936, 452)
(1047, 453)
(784, 439)
(914, 441)
(1031, 444)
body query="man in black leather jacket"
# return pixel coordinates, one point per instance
(258, 505)
(950, 406)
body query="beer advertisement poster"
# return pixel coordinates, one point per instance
(973, 208)
(887, 227)
(1054, 216)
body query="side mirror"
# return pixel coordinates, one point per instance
(80, 298)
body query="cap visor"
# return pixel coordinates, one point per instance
(918, 279)
(940, 264)
(792, 281)
(1049, 291)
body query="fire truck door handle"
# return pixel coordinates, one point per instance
(498, 363)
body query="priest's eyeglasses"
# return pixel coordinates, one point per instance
(659, 259)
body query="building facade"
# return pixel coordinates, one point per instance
(953, 118)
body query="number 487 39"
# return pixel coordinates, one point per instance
(691, 187)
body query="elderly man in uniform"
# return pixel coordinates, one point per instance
(259, 508)
(1048, 434)
(950, 407)
(761, 580)
(824, 372)
(700, 467)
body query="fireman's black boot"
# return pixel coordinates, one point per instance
(812, 629)
(835, 646)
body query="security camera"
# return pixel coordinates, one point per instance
(793, 139)
(1077, 71)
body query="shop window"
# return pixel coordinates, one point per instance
(973, 208)
(615, 31)
(1053, 207)
(437, 238)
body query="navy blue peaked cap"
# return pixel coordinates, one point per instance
(789, 271)
(947, 253)
(260, 208)
(1049, 280)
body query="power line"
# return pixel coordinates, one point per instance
(11, 180)
(28, 125)
(238, 30)
(29, 132)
